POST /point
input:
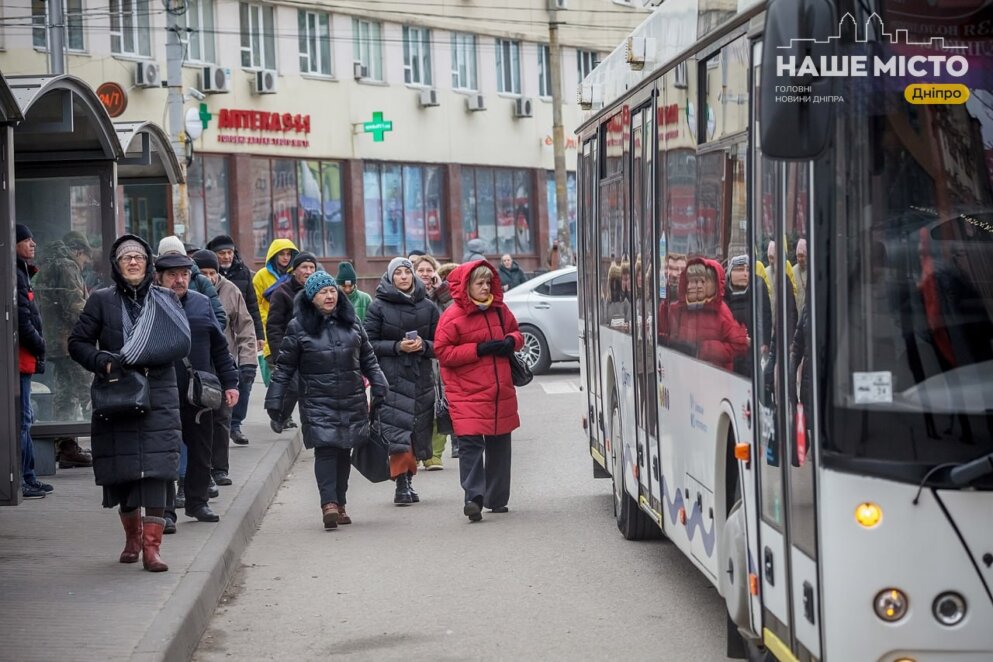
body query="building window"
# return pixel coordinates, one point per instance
(508, 61)
(367, 47)
(73, 11)
(496, 207)
(404, 209)
(315, 42)
(544, 70)
(300, 201)
(553, 216)
(464, 61)
(258, 37)
(586, 62)
(130, 31)
(198, 20)
(207, 183)
(416, 56)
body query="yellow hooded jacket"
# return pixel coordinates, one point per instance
(265, 278)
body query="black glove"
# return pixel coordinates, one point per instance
(106, 358)
(246, 374)
(488, 348)
(506, 347)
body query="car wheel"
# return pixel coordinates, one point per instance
(534, 353)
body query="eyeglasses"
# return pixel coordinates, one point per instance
(132, 257)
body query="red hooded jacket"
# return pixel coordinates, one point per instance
(480, 391)
(710, 328)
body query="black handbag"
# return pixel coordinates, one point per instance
(442, 417)
(120, 393)
(520, 373)
(372, 458)
(204, 390)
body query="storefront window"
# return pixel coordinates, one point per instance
(261, 206)
(403, 209)
(145, 210)
(64, 215)
(207, 186)
(322, 228)
(285, 210)
(496, 206)
(553, 216)
(332, 203)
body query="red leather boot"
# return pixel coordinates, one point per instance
(151, 539)
(132, 536)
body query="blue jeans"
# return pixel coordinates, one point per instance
(27, 446)
(182, 461)
(240, 410)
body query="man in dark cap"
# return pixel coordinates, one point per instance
(233, 268)
(302, 267)
(31, 357)
(348, 283)
(208, 353)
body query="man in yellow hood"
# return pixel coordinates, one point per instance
(277, 266)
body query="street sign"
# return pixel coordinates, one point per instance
(377, 127)
(114, 98)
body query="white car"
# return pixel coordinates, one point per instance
(548, 315)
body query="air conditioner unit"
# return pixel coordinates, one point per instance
(522, 107)
(265, 82)
(475, 102)
(146, 74)
(359, 71)
(215, 80)
(427, 98)
(557, 4)
(638, 51)
(584, 96)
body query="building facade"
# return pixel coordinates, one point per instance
(358, 130)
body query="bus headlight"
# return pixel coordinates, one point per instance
(868, 514)
(891, 604)
(949, 608)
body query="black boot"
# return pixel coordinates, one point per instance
(402, 496)
(410, 488)
(180, 494)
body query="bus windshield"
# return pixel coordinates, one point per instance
(909, 365)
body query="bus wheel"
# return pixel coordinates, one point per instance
(535, 350)
(632, 522)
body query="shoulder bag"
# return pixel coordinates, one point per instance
(372, 458)
(442, 417)
(520, 373)
(204, 390)
(121, 393)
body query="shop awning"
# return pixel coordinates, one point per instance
(148, 155)
(63, 121)
(10, 112)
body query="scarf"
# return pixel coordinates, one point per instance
(483, 305)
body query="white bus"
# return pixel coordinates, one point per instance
(786, 301)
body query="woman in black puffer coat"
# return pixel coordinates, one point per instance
(135, 459)
(326, 348)
(401, 306)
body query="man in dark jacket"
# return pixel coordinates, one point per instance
(233, 268)
(198, 282)
(280, 315)
(30, 358)
(511, 274)
(209, 353)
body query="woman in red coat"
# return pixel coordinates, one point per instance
(475, 339)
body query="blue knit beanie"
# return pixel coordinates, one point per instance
(317, 282)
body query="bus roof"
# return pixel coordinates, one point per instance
(672, 28)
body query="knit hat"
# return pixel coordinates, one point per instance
(395, 264)
(77, 241)
(129, 246)
(302, 257)
(317, 282)
(171, 244)
(23, 232)
(207, 260)
(221, 242)
(346, 273)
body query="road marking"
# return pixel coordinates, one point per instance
(558, 388)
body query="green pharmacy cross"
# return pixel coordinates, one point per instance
(377, 127)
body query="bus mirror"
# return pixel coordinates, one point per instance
(794, 112)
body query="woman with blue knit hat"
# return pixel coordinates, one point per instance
(326, 348)
(401, 322)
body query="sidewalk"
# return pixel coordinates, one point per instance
(68, 598)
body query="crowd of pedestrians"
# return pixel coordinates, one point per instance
(354, 365)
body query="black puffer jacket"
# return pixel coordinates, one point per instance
(241, 276)
(28, 318)
(407, 416)
(127, 449)
(281, 310)
(328, 355)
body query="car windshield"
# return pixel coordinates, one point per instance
(910, 373)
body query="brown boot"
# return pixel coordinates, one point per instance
(132, 536)
(331, 515)
(151, 539)
(343, 517)
(70, 455)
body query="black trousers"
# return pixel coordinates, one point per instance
(220, 436)
(332, 467)
(484, 468)
(197, 437)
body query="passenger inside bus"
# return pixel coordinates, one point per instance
(618, 306)
(738, 297)
(700, 323)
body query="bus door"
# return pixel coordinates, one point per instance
(589, 300)
(787, 550)
(643, 302)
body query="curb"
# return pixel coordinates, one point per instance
(179, 625)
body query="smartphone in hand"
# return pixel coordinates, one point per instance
(411, 335)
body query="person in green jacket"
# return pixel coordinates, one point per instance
(347, 281)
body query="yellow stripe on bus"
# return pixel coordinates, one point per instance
(598, 457)
(644, 502)
(777, 647)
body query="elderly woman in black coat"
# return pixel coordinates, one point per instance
(135, 459)
(327, 348)
(401, 322)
